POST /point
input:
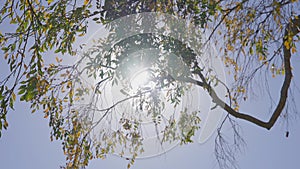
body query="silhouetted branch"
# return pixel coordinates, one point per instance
(291, 30)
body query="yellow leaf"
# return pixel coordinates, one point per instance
(47, 110)
(80, 35)
(13, 95)
(6, 55)
(294, 50)
(71, 93)
(70, 164)
(243, 51)
(69, 84)
(260, 57)
(229, 47)
(49, 1)
(77, 134)
(58, 60)
(5, 124)
(86, 2)
(287, 44)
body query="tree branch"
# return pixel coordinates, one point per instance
(291, 30)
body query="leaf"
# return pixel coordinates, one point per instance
(21, 91)
(5, 125)
(229, 47)
(11, 103)
(29, 96)
(82, 34)
(13, 95)
(58, 60)
(86, 2)
(124, 92)
(287, 44)
(96, 19)
(251, 51)
(57, 50)
(49, 1)
(294, 50)
(13, 47)
(69, 84)
(46, 110)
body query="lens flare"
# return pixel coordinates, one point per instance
(140, 80)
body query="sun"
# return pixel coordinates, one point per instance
(139, 80)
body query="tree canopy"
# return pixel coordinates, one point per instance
(167, 41)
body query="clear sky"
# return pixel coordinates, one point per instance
(26, 144)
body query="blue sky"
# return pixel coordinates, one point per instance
(27, 145)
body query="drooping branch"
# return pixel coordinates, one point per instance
(291, 30)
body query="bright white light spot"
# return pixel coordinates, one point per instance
(141, 80)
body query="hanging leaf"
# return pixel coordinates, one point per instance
(86, 2)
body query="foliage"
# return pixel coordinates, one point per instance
(257, 36)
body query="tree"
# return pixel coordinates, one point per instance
(257, 37)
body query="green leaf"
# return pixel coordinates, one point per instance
(251, 51)
(96, 19)
(21, 91)
(57, 50)
(1, 96)
(22, 98)
(13, 47)
(29, 96)
(11, 103)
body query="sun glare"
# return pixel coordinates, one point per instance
(140, 80)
